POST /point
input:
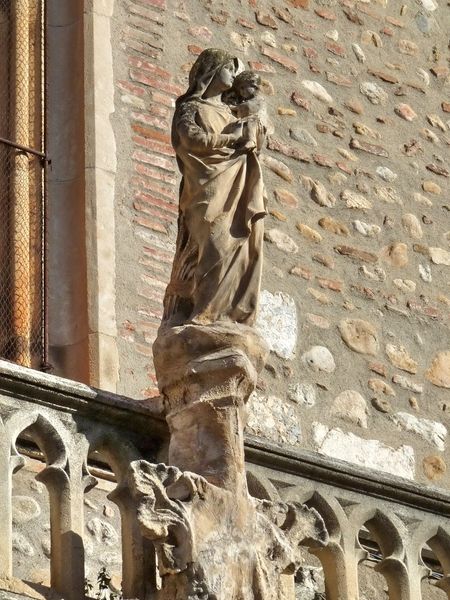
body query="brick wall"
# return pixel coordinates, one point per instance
(357, 251)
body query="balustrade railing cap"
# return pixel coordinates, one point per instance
(67, 395)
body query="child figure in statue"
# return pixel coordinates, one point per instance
(248, 104)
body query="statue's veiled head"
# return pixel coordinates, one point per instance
(208, 65)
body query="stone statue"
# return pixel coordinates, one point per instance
(217, 267)
(212, 541)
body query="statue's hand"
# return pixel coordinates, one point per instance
(235, 130)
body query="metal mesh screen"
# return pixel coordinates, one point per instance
(22, 169)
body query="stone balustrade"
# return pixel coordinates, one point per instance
(387, 536)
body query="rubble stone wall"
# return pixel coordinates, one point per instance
(356, 299)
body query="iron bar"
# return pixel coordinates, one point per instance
(45, 364)
(26, 149)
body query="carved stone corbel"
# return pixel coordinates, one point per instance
(212, 544)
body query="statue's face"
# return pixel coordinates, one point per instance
(227, 74)
(248, 90)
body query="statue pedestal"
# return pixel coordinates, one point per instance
(212, 540)
(206, 374)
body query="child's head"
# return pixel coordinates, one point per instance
(247, 84)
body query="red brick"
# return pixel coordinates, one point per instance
(440, 71)
(330, 284)
(322, 160)
(286, 198)
(356, 253)
(300, 101)
(145, 13)
(151, 199)
(156, 3)
(284, 61)
(155, 160)
(159, 111)
(155, 188)
(145, 65)
(152, 295)
(149, 224)
(200, 31)
(387, 31)
(287, 150)
(344, 167)
(152, 120)
(133, 44)
(335, 48)
(169, 88)
(162, 99)
(300, 271)
(154, 174)
(352, 16)
(395, 22)
(244, 23)
(195, 50)
(126, 86)
(310, 52)
(148, 210)
(266, 19)
(323, 13)
(339, 79)
(383, 76)
(261, 67)
(162, 270)
(299, 3)
(158, 254)
(378, 368)
(154, 145)
(151, 133)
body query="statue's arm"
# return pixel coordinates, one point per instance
(193, 136)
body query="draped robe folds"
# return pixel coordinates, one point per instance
(217, 267)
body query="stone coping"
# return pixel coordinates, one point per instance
(141, 416)
(342, 474)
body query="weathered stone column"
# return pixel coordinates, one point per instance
(206, 374)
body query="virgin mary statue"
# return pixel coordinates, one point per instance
(217, 266)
